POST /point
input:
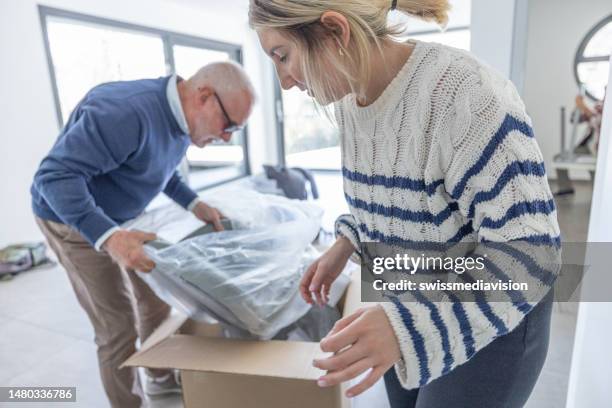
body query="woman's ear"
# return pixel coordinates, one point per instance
(337, 24)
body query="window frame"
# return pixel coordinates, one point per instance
(409, 34)
(580, 58)
(169, 39)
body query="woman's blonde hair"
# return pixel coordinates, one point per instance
(300, 20)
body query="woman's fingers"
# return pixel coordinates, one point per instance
(305, 283)
(317, 283)
(340, 361)
(367, 382)
(348, 373)
(345, 321)
(337, 341)
(325, 292)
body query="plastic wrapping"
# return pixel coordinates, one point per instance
(247, 278)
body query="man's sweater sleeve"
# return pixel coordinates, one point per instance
(496, 175)
(180, 192)
(101, 137)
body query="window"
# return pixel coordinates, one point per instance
(592, 63)
(84, 51)
(310, 139)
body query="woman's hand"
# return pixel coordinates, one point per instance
(323, 272)
(361, 341)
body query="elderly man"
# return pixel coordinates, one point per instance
(120, 148)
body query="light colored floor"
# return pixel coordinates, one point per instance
(46, 339)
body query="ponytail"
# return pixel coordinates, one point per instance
(427, 10)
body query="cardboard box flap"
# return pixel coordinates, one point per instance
(168, 327)
(272, 358)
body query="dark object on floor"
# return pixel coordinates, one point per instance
(293, 181)
(21, 257)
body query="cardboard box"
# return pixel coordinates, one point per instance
(225, 373)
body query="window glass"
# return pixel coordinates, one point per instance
(311, 139)
(85, 55)
(593, 59)
(601, 43)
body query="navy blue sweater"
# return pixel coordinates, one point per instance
(120, 148)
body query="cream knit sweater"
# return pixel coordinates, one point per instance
(445, 154)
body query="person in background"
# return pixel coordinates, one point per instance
(592, 116)
(119, 149)
(436, 147)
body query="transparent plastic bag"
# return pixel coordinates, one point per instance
(248, 277)
(250, 209)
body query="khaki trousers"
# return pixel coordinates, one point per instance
(120, 306)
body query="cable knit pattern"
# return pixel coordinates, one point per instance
(446, 154)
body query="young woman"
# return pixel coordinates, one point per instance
(435, 147)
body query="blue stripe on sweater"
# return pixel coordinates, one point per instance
(518, 300)
(542, 239)
(402, 214)
(404, 183)
(509, 124)
(417, 340)
(485, 308)
(442, 329)
(535, 270)
(463, 232)
(464, 325)
(516, 168)
(519, 209)
(352, 230)
(378, 236)
(343, 220)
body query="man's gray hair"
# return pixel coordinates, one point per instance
(226, 77)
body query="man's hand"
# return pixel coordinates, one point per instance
(323, 272)
(126, 248)
(209, 214)
(361, 341)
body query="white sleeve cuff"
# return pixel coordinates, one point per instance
(192, 204)
(104, 237)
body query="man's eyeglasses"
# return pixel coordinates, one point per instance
(231, 125)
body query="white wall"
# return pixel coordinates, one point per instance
(492, 27)
(28, 127)
(555, 30)
(590, 374)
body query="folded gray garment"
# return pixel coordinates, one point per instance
(198, 305)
